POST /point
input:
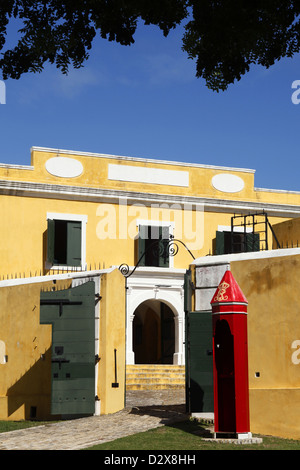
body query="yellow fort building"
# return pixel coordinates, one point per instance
(132, 247)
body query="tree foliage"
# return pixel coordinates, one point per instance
(62, 32)
(223, 37)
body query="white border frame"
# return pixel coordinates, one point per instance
(158, 223)
(78, 218)
(161, 284)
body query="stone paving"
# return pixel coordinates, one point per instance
(144, 410)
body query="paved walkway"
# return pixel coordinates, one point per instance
(144, 410)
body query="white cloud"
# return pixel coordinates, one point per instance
(164, 68)
(77, 81)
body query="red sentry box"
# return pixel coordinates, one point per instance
(230, 358)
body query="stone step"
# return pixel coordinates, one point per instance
(135, 380)
(155, 369)
(141, 376)
(154, 386)
(146, 373)
(154, 377)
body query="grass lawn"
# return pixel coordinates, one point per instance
(189, 435)
(6, 426)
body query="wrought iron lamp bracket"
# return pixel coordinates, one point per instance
(164, 247)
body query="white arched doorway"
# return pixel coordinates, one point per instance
(153, 333)
(149, 300)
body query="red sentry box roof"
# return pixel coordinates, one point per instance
(228, 291)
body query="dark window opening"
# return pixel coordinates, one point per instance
(153, 246)
(234, 243)
(64, 243)
(238, 242)
(60, 242)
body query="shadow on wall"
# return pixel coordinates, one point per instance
(33, 390)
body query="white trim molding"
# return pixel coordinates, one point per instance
(75, 193)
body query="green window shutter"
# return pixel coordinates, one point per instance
(163, 261)
(50, 241)
(252, 242)
(247, 244)
(143, 236)
(74, 243)
(256, 242)
(220, 243)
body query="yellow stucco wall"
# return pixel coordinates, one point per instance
(110, 232)
(112, 226)
(25, 380)
(271, 288)
(95, 171)
(288, 233)
(112, 337)
(24, 233)
(25, 347)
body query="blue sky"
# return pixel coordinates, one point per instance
(144, 101)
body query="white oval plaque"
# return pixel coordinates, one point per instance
(227, 183)
(64, 167)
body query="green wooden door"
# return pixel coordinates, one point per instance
(71, 313)
(200, 397)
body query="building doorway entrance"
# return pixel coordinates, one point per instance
(153, 333)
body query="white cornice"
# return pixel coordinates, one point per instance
(227, 259)
(110, 196)
(61, 152)
(281, 191)
(16, 167)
